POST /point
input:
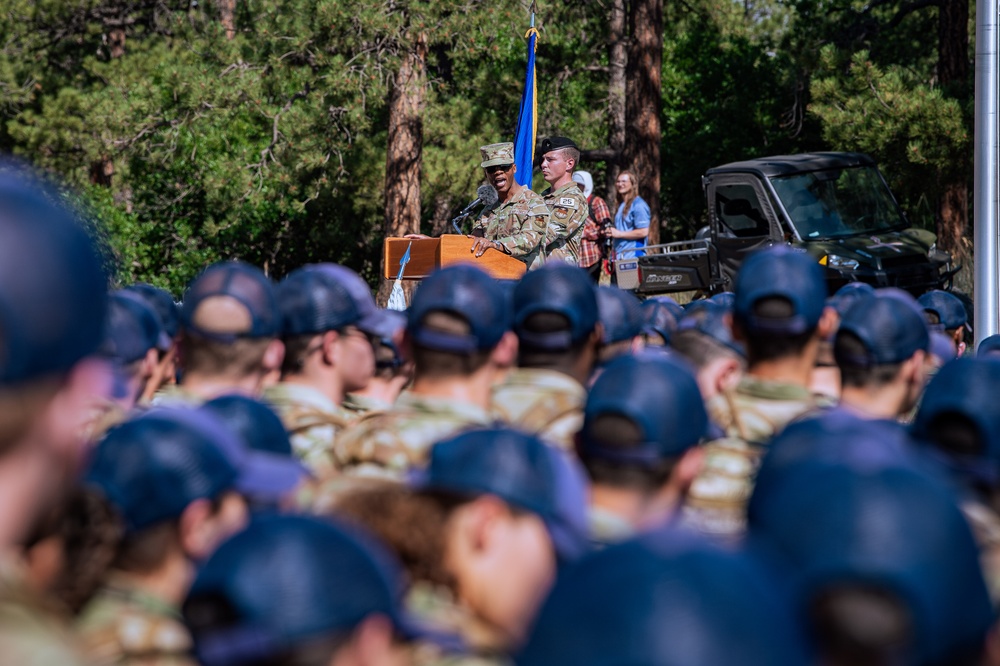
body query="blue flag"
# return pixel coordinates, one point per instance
(527, 117)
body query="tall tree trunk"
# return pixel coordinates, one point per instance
(618, 58)
(642, 104)
(953, 73)
(227, 16)
(405, 149)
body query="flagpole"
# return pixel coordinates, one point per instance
(985, 185)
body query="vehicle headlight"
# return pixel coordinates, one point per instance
(839, 263)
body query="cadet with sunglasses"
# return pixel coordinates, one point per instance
(518, 224)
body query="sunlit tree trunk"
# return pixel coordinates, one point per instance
(953, 73)
(618, 59)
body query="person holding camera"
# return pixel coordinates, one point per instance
(594, 245)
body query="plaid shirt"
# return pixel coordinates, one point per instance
(592, 243)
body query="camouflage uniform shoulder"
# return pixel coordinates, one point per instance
(174, 395)
(31, 633)
(437, 609)
(388, 444)
(716, 502)
(985, 524)
(124, 626)
(757, 410)
(313, 422)
(607, 528)
(543, 402)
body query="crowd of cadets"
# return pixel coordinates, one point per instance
(540, 472)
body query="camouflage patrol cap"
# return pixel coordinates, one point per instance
(668, 599)
(287, 581)
(659, 396)
(496, 154)
(53, 287)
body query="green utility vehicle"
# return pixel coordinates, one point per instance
(836, 206)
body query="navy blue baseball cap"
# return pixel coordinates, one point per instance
(466, 292)
(153, 466)
(53, 287)
(313, 301)
(855, 289)
(890, 330)
(676, 309)
(235, 281)
(965, 388)
(162, 303)
(132, 329)
(268, 468)
(521, 470)
(286, 581)
(561, 289)
(711, 320)
(726, 299)
(657, 394)
(943, 346)
(988, 347)
(621, 314)
(886, 526)
(948, 308)
(659, 319)
(780, 272)
(666, 599)
(376, 321)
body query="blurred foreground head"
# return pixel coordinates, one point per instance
(53, 304)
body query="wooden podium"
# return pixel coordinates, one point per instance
(426, 254)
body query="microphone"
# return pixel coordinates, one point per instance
(485, 195)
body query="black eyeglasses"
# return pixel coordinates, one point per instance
(499, 167)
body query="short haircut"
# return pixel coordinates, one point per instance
(234, 360)
(548, 322)
(700, 349)
(297, 350)
(849, 345)
(434, 363)
(860, 625)
(767, 346)
(571, 153)
(618, 433)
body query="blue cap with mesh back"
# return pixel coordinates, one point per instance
(53, 288)
(268, 468)
(153, 466)
(248, 286)
(378, 322)
(966, 388)
(890, 330)
(313, 301)
(133, 328)
(887, 526)
(943, 347)
(712, 321)
(659, 319)
(162, 303)
(948, 308)
(657, 394)
(468, 293)
(667, 599)
(676, 309)
(786, 273)
(521, 470)
(855, 289)
(286, 581)
(556, 288)
(988, 347)
(726, 299)
(621, 314)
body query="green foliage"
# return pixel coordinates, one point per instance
(914, 131)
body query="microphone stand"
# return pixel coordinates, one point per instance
(458, 219)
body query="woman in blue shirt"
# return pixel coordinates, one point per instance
(632, 219)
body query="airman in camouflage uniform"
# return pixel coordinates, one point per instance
(330, 325)
(436, 607)
(518, 224)
(555, 319)
(568, 208)
(779, 311)
(458, 325)
(123, 625)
